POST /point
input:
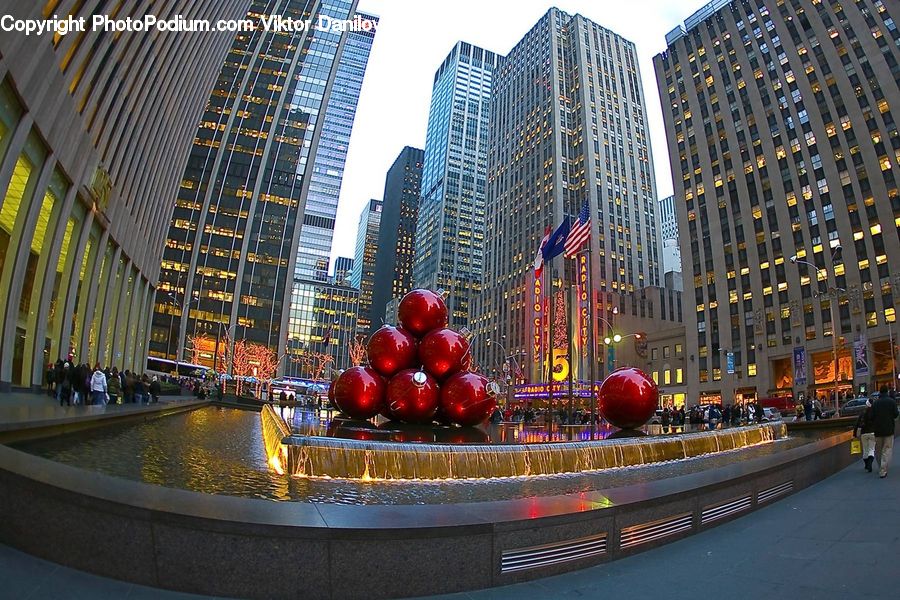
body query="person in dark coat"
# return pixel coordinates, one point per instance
(884, 413)
(865, 431)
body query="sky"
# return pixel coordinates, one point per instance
(414, 37)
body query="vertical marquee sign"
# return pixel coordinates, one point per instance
(537, 325)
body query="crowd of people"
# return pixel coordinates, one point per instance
(79, 384)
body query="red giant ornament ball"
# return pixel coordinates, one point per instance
(443, 352)
(628, 398)
(412, 396)
(421, 311)
(359, 392)
(391, 350)
(466, 399)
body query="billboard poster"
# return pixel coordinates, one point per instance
(800, 366)
(860, 359)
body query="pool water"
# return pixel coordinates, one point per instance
(219, 450)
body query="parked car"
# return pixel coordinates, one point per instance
(853, 407)
(771, 414)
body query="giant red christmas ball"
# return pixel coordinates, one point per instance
(412, 396)
(421, 311)
(466, 399)
(359, 392)
(443, 352)
(391, 350)
(628, 398)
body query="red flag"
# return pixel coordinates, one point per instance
(539, 258)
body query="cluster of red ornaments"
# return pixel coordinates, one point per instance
(418, 372)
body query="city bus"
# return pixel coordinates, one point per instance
(164, 366)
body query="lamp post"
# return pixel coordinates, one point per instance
(616, 338)
(509, 378)
(833, 295)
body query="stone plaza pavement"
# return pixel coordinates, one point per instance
(837, 539)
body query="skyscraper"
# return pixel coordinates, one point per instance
(397, 233)
(323, 319)
(232, 249)
(568, 127)
(327, 174)
(450, 230)
(312, 326)
(92, 144)
(668, 227)
(343, 267)
(781, 119)
(363, 275)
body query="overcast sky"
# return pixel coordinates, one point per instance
(413, 39)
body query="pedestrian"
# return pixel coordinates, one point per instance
(884, 413)
(114, 387)
(808, 409)
(51, 378)
(75, 384)
(155, 389)
(714, 415)
(64, 386)
(98, 387)
(865, 431)
(666, 420)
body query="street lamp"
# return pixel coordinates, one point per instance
(510, 379)
(833, 295)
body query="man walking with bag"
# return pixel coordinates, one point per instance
(884, 412)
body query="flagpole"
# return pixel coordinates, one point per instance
(571, 349)
(550, 345)
(592, 355)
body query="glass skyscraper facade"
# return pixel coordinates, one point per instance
(317, 230)
(327, 173)
(362, 277)
(323, 322)
(781, 118)
(92, 145)
(450, 231)
(232, 249)
(397, 232)
(568, 127)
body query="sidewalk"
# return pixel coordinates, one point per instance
(837, 539)
(23, 410)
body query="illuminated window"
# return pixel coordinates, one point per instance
(751, 370)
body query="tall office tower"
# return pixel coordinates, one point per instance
(317, 230)
(568, 127)
(363, 275)
(343, 266)
(397, 233)
(668, 219)
(323, 315)
(781, 119)
(450, 230)
(95, 128)
(232, 247)
(306, 327)
(668, 228)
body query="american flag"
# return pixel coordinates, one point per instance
(581, 231)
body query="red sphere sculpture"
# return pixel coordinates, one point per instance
(443, 352)
(390, 350)
(412, 396)
(359, 392)
(421, 311)
(466, 399)
(628, 398)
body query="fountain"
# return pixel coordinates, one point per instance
(420, 372)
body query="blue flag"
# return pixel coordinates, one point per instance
(557, 242)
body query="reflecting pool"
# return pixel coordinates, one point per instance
(221, 451)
